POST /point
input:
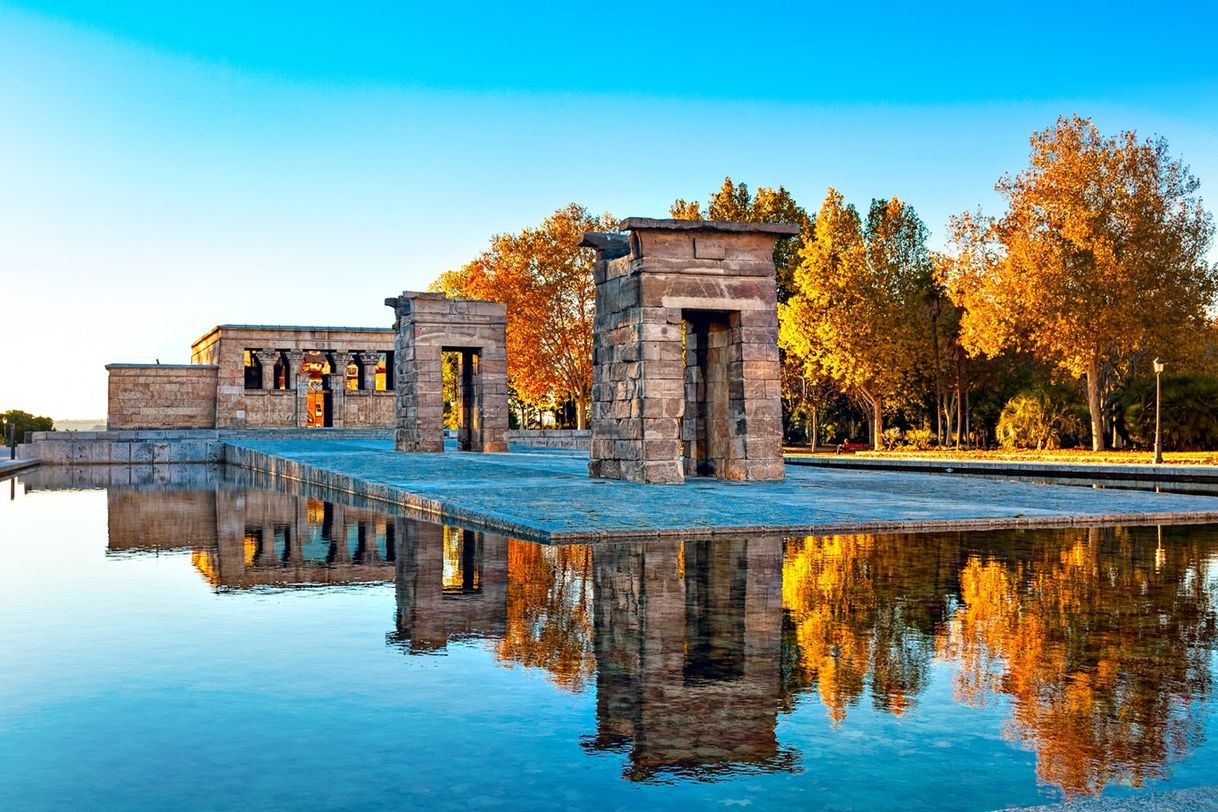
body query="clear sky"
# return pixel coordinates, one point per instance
(164, 169)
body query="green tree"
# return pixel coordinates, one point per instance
(1097, 264)
(1189, 412)
(22, 422)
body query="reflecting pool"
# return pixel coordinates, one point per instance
(199, 638)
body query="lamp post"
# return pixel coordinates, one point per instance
(1158, 410)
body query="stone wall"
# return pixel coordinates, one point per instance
(569, 439)
(368, 409)
(161, 396)
(685, 352)
(160, 446)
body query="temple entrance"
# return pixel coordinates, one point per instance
(451, 373)
(709, 352)
(463, 395)
(319, 408)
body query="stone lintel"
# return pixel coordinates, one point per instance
(162, 366)
(429, 307)
(653, 224)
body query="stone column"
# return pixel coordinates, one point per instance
(268, 358)
(295, 382)
(338, 393)
(368, 362)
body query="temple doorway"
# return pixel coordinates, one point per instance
(314, 372)
(462, 365)
(706, 432)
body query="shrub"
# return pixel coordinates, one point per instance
(919, 439)
(1041, 419)
(891, 437)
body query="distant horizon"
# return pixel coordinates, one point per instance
(222, 164)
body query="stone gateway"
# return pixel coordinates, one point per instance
(685, 364)
(427, 326)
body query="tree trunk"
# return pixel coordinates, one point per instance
(877, 422)
(1095, 404)
(815, 435)
(934, 337)
(948, 410)
(580, 421)
(959, 403)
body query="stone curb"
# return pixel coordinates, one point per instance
(1129, 472)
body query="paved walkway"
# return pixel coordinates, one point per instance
(547, 495)
(8, 466)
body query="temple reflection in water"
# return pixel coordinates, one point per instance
(1100, 640)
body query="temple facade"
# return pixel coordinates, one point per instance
(262, 376)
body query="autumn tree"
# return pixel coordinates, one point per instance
(857, 313)
(545, 279)
(734, 202)
(1098, 263)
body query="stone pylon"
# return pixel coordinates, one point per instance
(685, 351)
(428, 325)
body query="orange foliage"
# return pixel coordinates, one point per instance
(545, 279)
(1098, 648)
(549, 611)
(1100, 641)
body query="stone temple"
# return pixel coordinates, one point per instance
(428, 325)
(685, 365)
(257, 376)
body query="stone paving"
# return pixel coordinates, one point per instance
(546, 494)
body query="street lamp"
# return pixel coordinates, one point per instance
(1158, 404)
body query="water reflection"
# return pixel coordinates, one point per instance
(1099, 641)
(688, 652)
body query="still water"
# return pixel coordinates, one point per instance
(197, 638)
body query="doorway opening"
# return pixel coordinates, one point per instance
(462, 393)
(314, 372)
(710, 352)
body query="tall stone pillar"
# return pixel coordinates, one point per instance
(368, 362)
(685, 351)
(268, 358)
(429, 324)
(297, 383)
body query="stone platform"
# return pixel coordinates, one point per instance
(546, 495)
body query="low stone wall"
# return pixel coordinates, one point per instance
(572, 439)
(163, 446)
(161, 396)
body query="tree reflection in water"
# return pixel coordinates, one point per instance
(1100, 637)
(1103, 645)
(549, 611)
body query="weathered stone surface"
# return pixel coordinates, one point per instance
(211, 391)
(161, 396)
(429, 324)
(685, 356)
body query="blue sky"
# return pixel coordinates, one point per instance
(164, 172)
